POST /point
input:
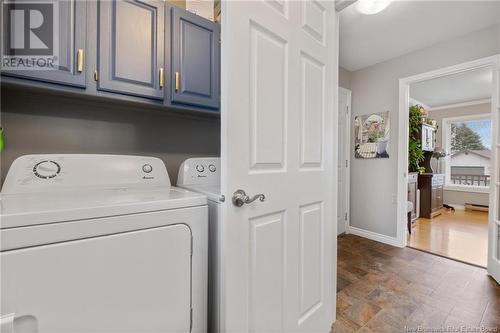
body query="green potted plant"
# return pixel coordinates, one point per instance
(415, 152)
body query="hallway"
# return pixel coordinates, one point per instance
(381, 288)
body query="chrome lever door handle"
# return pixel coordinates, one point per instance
(260, 196)
(240, 198)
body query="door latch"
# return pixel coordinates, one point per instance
(240, 198)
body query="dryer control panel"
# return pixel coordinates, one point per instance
(199, 171)
(39, 173)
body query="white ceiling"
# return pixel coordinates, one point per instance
(407, 26)
(465, 87)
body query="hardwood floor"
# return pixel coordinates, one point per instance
(381, 288)
(462, 235)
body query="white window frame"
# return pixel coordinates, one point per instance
(446, 140)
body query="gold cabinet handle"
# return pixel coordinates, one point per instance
(177, 81)
(162, 77)
(79, 60)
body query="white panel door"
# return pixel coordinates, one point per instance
(343, 163)
(279, 111)
(494, 216)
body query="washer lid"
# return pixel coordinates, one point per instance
(25, 209)
(212, 192)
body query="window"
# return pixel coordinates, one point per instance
(468, 143)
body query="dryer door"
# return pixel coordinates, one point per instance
(131, 282)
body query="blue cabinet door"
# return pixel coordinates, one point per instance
(69, 45)
(195, 56)
(130, 47)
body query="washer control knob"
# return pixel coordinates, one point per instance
(212, 168)
(147, 168)
(200, 168)
(46, 169)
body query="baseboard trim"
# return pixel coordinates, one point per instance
(458, 207)
(374, 236)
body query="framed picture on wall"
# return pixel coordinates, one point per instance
(371, 135)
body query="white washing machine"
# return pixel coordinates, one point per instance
(100, 243)
(202, 175)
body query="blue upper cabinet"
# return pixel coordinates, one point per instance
(141, 50)
(131, 47)
(69, 45)
(195, 60)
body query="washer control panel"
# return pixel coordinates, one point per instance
(200, 171)
(39, 173)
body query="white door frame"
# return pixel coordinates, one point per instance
(404, 97)
(347, 146)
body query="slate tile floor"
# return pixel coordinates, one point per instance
(381, 288)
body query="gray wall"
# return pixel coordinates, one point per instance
(460, 197)
(41, 122)
(376, 89)
(344, 78)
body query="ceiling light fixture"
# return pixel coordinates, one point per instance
(370, 7)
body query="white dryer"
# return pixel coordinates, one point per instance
(100, 243)
(202, 175)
